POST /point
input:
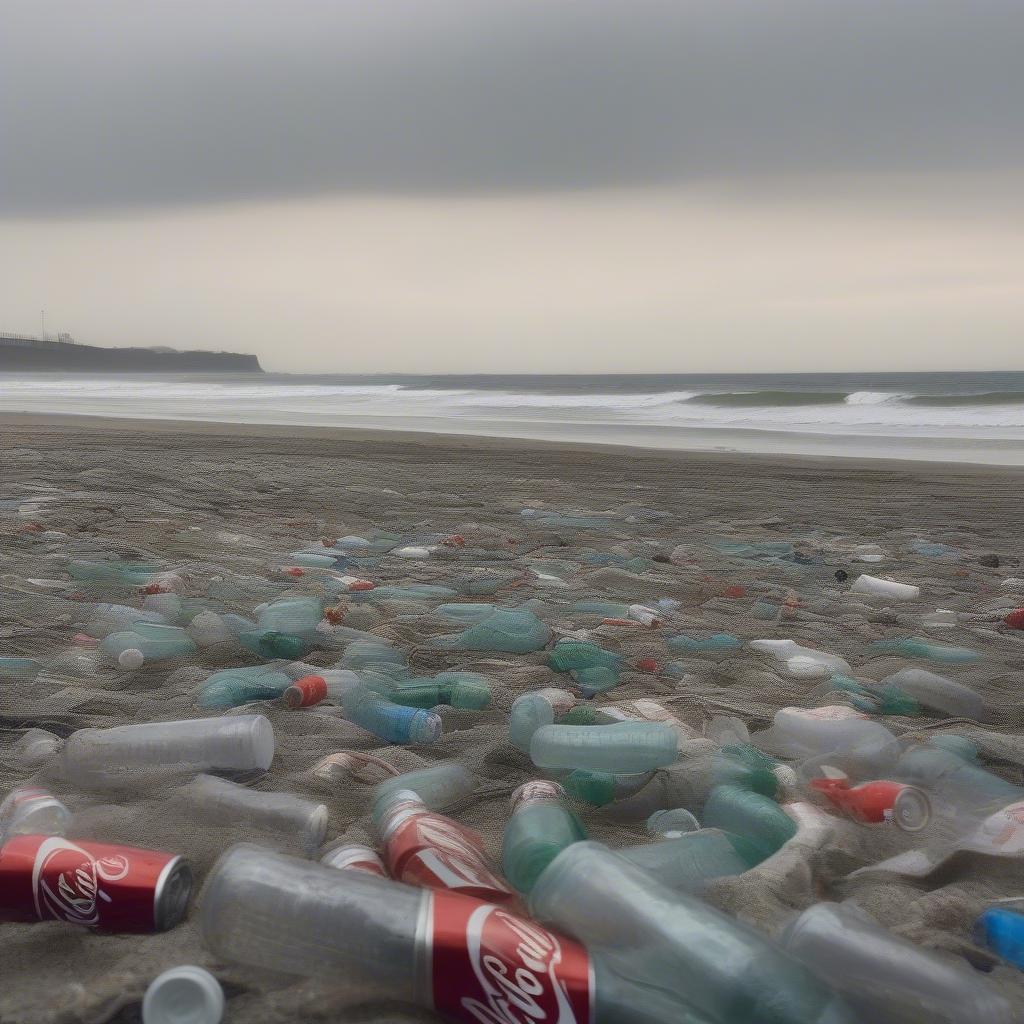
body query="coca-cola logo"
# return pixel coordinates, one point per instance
(450, 854)
(66, 881)
(492, 967)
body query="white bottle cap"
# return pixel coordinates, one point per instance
(183, 995)
(131, 659)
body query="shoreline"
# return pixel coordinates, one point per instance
(22, 426)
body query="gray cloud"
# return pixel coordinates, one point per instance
(119, 103)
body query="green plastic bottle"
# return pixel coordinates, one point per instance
(752, 816)
(541, 826)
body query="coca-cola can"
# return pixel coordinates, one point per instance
(429, 850)
(96, 885)
(491, 966)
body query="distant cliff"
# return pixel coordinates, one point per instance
(21, 353)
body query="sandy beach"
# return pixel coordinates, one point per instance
(224, 501)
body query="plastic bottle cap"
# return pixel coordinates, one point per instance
(130, 659)
(911, 810)
(183, 995)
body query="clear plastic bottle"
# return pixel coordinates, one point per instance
(470, 960)
(887, 978)
(937, 692)
(146, 642)
(237, 743)
(227, 803)
(623, 748)
(836, 735)
(663, 956)
(532, 710)
(689, 861)
(671, 823)
(439, 786)
(512, 631)
(541, 826)
(658, 957)
(30, 810)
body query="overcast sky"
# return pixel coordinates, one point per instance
(519, 184)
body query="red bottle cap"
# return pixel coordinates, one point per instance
(735, 592)
(1015, 620)
(647, 665)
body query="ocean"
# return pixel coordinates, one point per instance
(962, 417)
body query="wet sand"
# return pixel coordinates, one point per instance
(215, 499)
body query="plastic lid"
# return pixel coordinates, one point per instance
(911, 810)
(131, 659)
(183, 995)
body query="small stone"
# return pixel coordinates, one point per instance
(992, 561)
(842, 575)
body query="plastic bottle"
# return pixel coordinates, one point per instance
(438, 786)
(957, 788)
(757, 819)
(146, 642)
(368, 653)
(392, 722)
(514, 632)
(263, 909)
(690, 782)
(465, 958)
(30, 810)
(662, 956)
(532, 710)
(541, 826)
(920, 647)
(937, 692)
(623, 748)
(568, 655)
(19, 668)
(906, 806)
(601, 788)
(671, 823)
(803, 662)
(227, 803)
(425, 848)
(889, 589)
(717, 643)
(585, 713)
(235, 743)
(1002, 931)
(835, 735)
(467, 690)
(690, 861)
(885, 977)
(233, 687)
(941, 618)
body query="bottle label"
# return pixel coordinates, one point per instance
(1001, 833)
(432, 851)
(829, 713)
(489, 966)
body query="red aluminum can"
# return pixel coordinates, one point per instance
(96, 885)
(429, 850)
(306, 691)
(489, 965)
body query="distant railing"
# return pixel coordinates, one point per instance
(11, 340)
